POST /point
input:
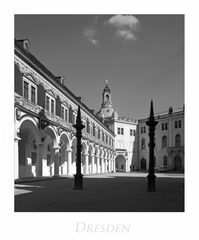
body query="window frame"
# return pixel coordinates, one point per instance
(50, 103)
(30, 85)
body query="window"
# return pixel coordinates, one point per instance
(93, 129)
(50, 103)
(131, 132)
(34, 145)
(164, 142)
(52, 106)
(87, 126)
(29, 91)
(98, 133)
(47, 103)
(118, 130)
(177, 140)
(122, 166)
(143, 143)
(177, 124)
(33, 100)
(122, 131)
(166, 126)
(25, 90)
(64, 113)
(163, 126)
(143, 129)
(165, 161)
(48, 147)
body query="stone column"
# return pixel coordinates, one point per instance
(16, 157)
(102, 165)
(113, 165)
(56, 161)
(109, 165)
(86, 163)
(69, 163)
(98, 165)
(105, 160)
(39, 159)
(92, 163)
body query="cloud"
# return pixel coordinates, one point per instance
(125, 26)
(90, 33)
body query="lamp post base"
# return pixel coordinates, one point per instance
(151, 183)
(78, 182)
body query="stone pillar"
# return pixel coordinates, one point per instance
(92, 163)
(113, 165)
(102, 165)
(16, 157)
(69, 163)
(105, 160)
(56, 161)
(109, 165)
(86, 163)
(98, 165)
(39, 159)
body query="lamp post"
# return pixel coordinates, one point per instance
(152, 124)
(78, 184)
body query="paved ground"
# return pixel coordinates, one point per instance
(118, 192)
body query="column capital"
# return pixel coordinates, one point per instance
(56, 147)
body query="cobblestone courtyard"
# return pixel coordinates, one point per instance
(117, 192)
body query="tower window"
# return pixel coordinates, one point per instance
(107, 97)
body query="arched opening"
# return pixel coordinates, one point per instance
(177, 163)
(64, 146)
(143, 164)
(90, 154)
(83, 158)
(165, 161)
(120, 163)
(28, 149)
(107, 98)
(49, 155)
(74, 155)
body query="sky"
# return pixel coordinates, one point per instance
(141, 56)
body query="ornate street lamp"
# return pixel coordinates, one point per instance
(152, 124)
(78, 184)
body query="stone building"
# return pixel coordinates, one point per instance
(45, 111)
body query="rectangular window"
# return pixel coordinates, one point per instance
(163, 126)
(47, 103)
(98, 133)
(52, 106)
(66, 114)
(179, 123)
(118, 130)
(122, 131)
(131, 132)
(176, 124)
(25, 90)
(62, 112)
(33, 94)
(166, 126)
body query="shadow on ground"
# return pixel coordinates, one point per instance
(108, 194)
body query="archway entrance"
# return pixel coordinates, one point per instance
(177, 163)
(28, 149)
(120, 163)
(143, 164)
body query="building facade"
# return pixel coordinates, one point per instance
(45, 111)
(45, 143)
(169, 141)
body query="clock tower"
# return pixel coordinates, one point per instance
(107, 111)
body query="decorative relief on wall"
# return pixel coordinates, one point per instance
(26, 104)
